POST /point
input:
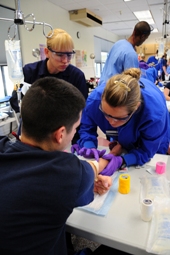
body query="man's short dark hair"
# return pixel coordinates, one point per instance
(142, 28)
(49, 104)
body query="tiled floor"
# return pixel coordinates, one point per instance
(80, 243)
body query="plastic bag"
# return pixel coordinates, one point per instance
(159, 234)
(154, 186)
(14, 61)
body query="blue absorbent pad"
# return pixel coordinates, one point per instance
(101, 203)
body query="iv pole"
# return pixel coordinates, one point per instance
(165, 20)
(165, 31)
(20, 19)
(164, 38)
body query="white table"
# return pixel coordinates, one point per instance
(122, 228)
(167, 102)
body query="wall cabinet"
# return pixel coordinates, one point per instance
(140, 49)
(147, 49)
(150, 48)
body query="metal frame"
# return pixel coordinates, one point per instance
(20, 19)
(165, 19)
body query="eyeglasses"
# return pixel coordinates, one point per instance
(115, 118)
(62, 55)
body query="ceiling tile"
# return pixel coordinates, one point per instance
(112, 11)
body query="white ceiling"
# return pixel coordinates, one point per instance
(117, 15)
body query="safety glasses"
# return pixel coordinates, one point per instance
(107, 116)
(62, 55)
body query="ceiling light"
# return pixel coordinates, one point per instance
(144, 16)
(155, 30)
(127, 0)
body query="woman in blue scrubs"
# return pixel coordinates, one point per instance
(130, 110)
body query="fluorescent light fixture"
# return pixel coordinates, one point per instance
(155, 30)
(127, 0)
(144, 16)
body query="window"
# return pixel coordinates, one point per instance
(6, 85)
(102, 48)
(104, 56)
(98, 69)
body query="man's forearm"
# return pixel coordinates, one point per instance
(98, 166)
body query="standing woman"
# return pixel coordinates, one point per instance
(130, 110)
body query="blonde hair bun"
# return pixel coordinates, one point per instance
(134, 72)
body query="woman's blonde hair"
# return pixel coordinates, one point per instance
(123, 89)
(59, 40)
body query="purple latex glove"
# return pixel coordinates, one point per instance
(91, 153)
(114, 163)
(75, 148)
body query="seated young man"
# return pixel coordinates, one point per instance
(40, 183)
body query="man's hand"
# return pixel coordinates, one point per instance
(103, 184)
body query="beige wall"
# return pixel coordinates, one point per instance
(47, 12)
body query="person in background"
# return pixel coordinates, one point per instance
(145, 71)
(153, 60)
(167, 91)
(131, 111)
(123, 53)
(40, 183)
(142, 62)
(149, 72)
(59, 51)
(168, 66)
(164, 67)
(142, 58)
(156, 62)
